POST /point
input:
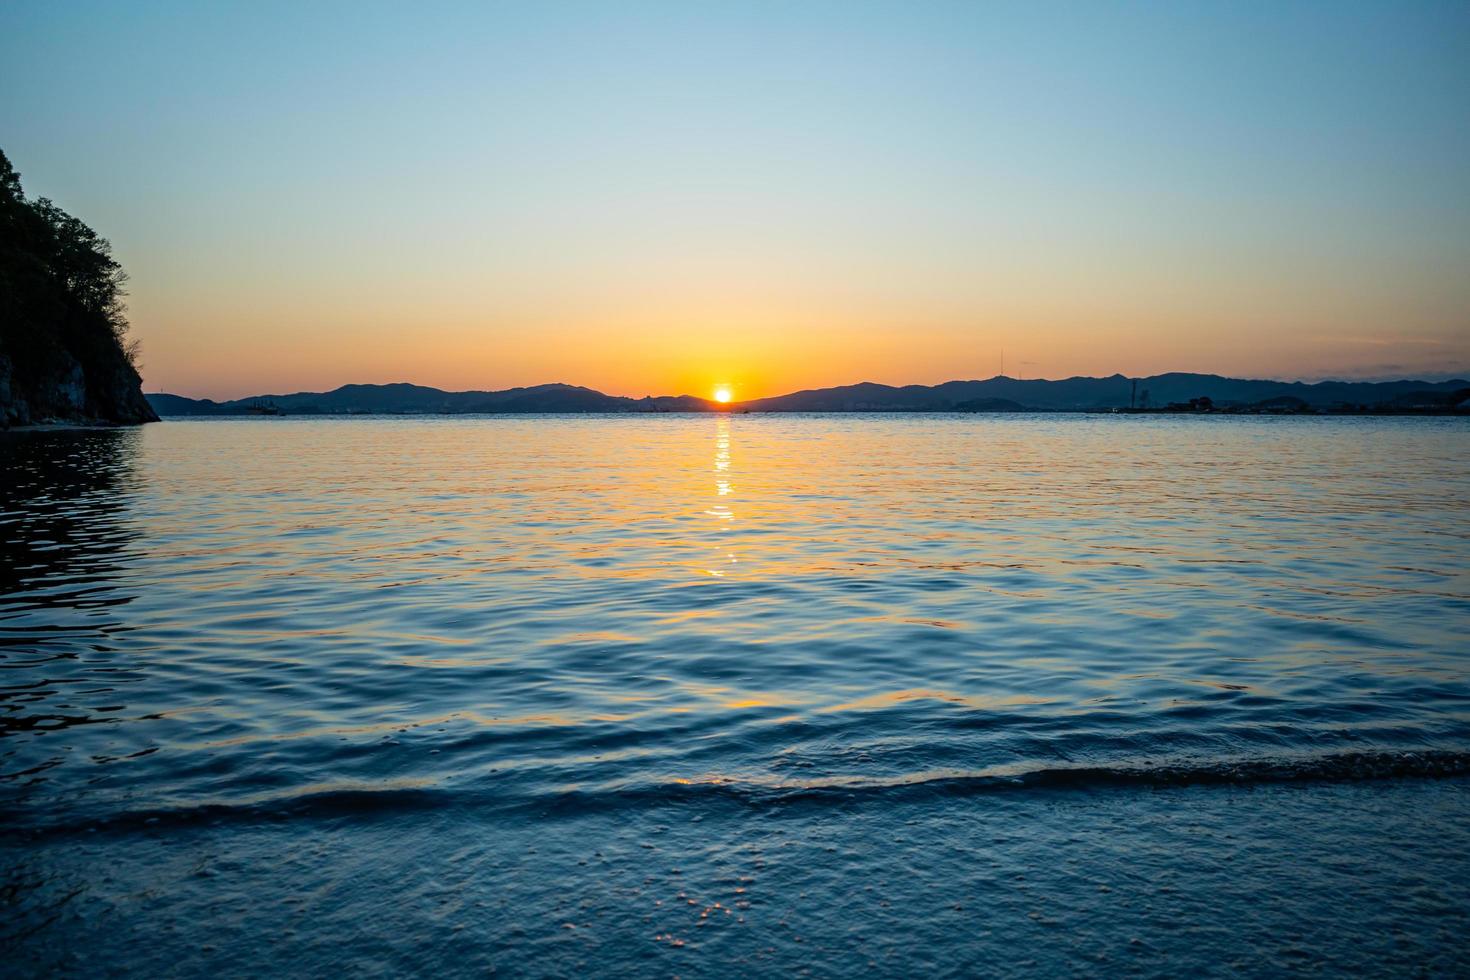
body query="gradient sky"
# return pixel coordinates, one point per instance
(653, 198)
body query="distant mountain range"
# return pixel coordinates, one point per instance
(997, 394)
(409, 399)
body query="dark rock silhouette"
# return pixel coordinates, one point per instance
(62, 353)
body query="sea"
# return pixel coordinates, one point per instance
(736, 695)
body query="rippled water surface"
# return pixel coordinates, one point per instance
(254, 638)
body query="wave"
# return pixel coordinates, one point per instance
(1337, 768)
(381, 802)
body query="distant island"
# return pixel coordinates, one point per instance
(1175, 392)
(63, 352)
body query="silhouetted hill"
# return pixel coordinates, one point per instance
(408, 399)
(62, 356)
(1087, 394)
(167, 405)
(998, 394)
(1433, 399)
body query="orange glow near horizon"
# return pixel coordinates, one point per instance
(239, 353)
(722, 394)
(768, 328)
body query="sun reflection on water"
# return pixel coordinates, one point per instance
(723, 488)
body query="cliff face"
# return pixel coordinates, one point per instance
(99, 386)
(62, 355)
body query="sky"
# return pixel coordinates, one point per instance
(658, 198)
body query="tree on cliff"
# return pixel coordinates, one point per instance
(62, 317)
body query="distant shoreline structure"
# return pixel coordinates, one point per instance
(1174, 393)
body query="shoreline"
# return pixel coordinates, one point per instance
(75, 426)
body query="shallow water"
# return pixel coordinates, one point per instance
(418, 647)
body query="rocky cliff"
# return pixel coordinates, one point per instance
(62, 352)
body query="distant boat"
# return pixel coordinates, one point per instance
(259, 407)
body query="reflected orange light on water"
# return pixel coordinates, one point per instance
(746, 560)
(723, 488)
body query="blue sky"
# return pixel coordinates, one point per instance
(660, 197)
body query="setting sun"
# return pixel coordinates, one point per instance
(722, 394)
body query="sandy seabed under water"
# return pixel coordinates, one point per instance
(1363, 878)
